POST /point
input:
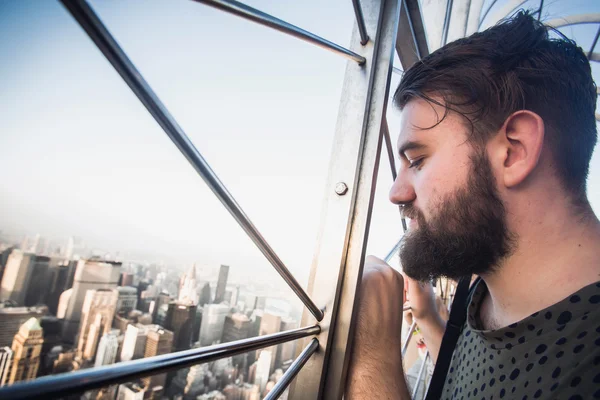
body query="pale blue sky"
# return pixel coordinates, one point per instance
(82, 156)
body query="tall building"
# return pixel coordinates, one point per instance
(159, 341)
(107, 349)
(131, 391)
(3, 260)
(213, 322)
(61, 279)
(197, 325)
(126, 279)
(24, 280)
(221, 284)
(161, 300)
(5, 363)
(68, 253)
(37, 286)
(52, 328)
(263, 369)
(270, 323)
(89, 275)
(188, 288)
(26, 349)
(190, 382)
(127, 300)
(286, 351)
(236, 327)
(180, 321)
(134, 343)
(97, 315)
(11, 319)
(205, 295)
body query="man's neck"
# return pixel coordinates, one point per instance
(555, 256)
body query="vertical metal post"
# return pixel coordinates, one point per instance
(339, 257)
(421, 370)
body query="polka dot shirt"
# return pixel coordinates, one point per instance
(552, 354)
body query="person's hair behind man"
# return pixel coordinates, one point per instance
(514, 66)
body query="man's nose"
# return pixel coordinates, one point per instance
(402, 191)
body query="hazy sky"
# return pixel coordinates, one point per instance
(82, 156)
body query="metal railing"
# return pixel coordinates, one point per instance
(57, 386)
(382, 26)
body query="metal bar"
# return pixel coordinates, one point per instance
(390, 149)
(411, 39)
(291, 373)
(421, 370)
(393, 251)
(594, 43)
(591, 18)
(408, 337)
(360, 20)
(57, 386)
(485, 13)
(397, 71)
(390, 153)
(90, 22)
(594, 57)
(447, 18)
(252, 14)
(340, 255)
(540, 9)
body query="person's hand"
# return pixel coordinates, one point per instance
(379, 317)
(421, 298)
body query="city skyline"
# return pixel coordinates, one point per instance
(101, 319)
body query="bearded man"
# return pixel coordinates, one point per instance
(497, 134)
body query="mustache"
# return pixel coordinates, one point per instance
(410, 211)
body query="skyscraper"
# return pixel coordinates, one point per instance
(26, 349)
(11, 319)
(263, 368)
(286, 351)
(127, 300)
(107, 349)
(37, 287)
(180, 320)
(205, 295)
(213, 322)
(221, 284)
(190, 382)
(236, 327)
(270, 323)
(24, 276)
(5, 363)
(159, 341)
(52, 328)
(134, 343)
(89, 275)
(97, 315)
(188, 290)
(61, 279)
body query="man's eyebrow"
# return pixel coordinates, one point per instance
(410, 145)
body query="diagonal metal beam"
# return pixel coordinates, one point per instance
(594, 43)
(411, 39)
(390, 152)
(291, 373)
(360, 20)
(92, 25)
(62, 385)
(252, 14)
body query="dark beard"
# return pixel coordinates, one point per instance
(467, 233)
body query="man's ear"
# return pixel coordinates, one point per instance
(523, 139)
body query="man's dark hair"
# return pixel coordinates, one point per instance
(514, 66)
